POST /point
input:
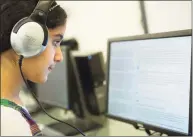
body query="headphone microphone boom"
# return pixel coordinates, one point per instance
(29, 38)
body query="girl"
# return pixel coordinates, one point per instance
(15, 119)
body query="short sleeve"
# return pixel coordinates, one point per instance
(13, 123)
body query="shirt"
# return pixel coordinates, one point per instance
(14, 118)
(13, 123)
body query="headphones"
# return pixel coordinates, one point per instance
(29, 36)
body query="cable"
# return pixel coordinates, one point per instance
(142, 128)
(20, 65)
(150, 134)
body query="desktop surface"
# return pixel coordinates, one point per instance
(111, 127)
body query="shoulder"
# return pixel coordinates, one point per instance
(13, 123)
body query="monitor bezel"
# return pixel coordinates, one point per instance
(170, 34)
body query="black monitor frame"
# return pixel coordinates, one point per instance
(170, 34)
(76, 104)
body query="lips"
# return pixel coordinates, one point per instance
(51, 68)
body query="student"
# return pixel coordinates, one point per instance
(15, 119)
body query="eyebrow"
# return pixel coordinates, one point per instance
(59, 35)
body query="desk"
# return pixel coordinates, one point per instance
(111, 127)
(117, 128)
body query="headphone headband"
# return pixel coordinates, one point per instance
(44, 5)
(41, 11)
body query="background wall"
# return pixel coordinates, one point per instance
(93, 22)
(168, 15)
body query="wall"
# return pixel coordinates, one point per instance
(93, 22)
(168, 15)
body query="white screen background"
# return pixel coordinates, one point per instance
(149, 81)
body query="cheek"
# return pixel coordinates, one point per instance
(37, 68)
(43, 61)
(48, 54)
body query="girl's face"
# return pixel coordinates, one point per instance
(36, 69)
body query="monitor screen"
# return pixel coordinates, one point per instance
(149, 81)
(55, 91)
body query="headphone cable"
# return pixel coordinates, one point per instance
(20, 65)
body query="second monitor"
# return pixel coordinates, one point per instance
(61, 89)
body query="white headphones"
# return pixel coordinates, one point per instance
(29, 36)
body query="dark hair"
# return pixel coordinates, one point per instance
(13, 10)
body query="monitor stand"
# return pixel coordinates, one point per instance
(84, 125)
(148, 132)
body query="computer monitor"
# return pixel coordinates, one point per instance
(149, 81)
(55, 90)
(61, 89)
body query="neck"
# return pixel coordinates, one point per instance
(11, 80)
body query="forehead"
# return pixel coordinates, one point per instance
(58, 30)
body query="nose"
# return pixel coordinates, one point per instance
(58, 56)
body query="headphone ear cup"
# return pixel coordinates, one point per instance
(29, 38)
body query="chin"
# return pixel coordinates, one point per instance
(41, 80)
